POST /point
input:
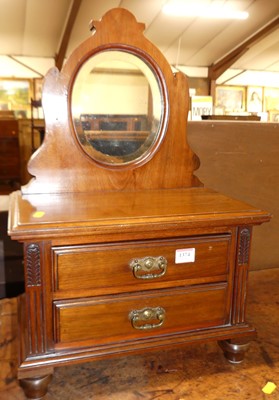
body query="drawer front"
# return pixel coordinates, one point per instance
(111, 266)
(106, 320)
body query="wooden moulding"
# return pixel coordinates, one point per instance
(176, 212)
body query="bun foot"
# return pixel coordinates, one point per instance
(35, 388)
(234, 352)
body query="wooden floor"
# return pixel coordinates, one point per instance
(193, 372)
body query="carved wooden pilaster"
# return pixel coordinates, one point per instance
(34, 303)
(244, 240)
(241, 274)
(33, 265)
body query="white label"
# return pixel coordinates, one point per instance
(184, 256)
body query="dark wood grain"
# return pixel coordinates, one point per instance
(106, 320)
(104, 213)
(96, 267)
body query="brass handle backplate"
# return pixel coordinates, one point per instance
(143, 267)
(145, 319)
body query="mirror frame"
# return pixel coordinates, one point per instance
(158, 75)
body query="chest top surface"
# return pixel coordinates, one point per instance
(102, 213)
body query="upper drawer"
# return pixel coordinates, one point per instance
(141, 265)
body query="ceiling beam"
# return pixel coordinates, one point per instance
(60, 56)
(217, 69)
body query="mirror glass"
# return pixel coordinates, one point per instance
(117, 107)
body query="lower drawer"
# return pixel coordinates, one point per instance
(114, 319)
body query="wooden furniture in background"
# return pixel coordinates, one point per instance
(37, 124)
(112, 133)
(231, 117)
(25, 143)
(125, 256)
(7, 114)
(11, 257)
(237, 157)
(9, 153)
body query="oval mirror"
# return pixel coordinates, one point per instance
(117, 107)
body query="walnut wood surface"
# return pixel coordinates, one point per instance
(67, 215)
(96, 270)
(106, 320)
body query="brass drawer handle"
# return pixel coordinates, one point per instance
(148, 264)
(148, 314)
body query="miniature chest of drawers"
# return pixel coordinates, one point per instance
(125, 250)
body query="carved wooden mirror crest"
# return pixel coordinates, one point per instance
(115, 117)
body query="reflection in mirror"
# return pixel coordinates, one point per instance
(117, 107)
